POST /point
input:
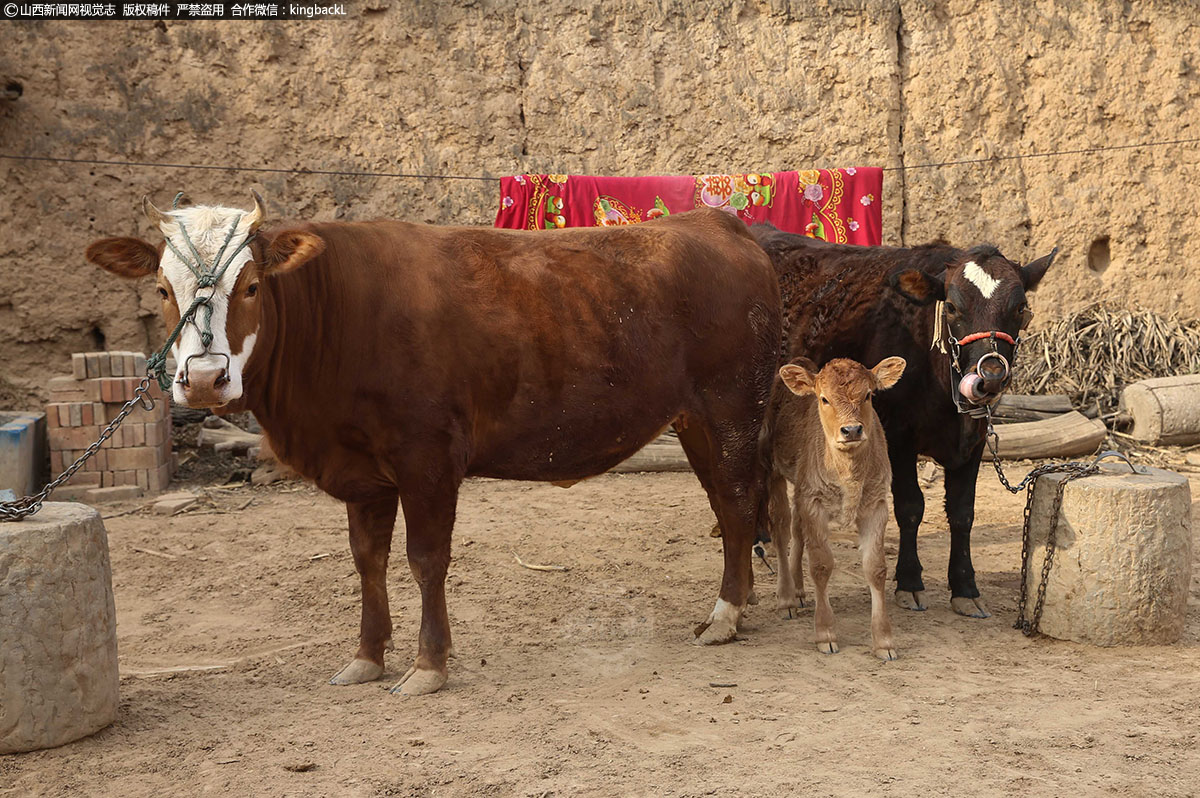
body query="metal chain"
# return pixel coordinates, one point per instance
(1075, 470)
(28, 505)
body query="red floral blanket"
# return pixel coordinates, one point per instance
(839, 205)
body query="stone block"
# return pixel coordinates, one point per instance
(55, 575)
(1123, 561)
(22, 451)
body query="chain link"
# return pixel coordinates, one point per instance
(28, 505)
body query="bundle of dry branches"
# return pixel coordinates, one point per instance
(1093, 354)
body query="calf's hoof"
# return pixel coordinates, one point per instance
(887, 654)
(752, 599)
(911, 600)
(358, 672)
(787, 605)
(419, 682)
(828, 647)
(970, 607)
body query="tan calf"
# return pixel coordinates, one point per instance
(829, 444)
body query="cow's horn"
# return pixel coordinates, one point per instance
(154, 214)
(259, 213)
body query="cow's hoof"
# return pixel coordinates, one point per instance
(721, 626)
(828, 647)
(420, 682)
(358, 672)
(911, 600)
(970, 607)
(786, 605)
(887, 654)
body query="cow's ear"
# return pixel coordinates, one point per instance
(798, 379)
(917, 287)
(125, 257)
(291, 249)
(1032, 273)
(888, 372)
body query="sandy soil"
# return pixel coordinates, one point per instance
(584, 683)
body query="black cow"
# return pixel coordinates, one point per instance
(868, 303)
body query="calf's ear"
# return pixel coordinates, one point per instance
(125, 257)
(917, 287)
(888, 372)
(798, 379)
(1032, 273)
(291, 249)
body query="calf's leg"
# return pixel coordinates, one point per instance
(789, 581)
(371, 525)
(910, 509)
(429, 507)
(820, 567)
(870, 540)
(960, 512)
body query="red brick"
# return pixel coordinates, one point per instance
(116, 363)
(143, 478)
(73, 438)
(52, 415)
(160, 478)
(79, 366)
(126, 477)
(114, 494)
(105, 365)
(134, 458)
(107, 479)
(85, 478)
(93, 364)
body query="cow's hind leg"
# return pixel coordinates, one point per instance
(371, 525)
(960, 512)
(735, 480)
(429, 506)
(910, 509)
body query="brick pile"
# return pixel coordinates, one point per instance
(137, 458)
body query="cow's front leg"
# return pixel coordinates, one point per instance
(960, 512)
(371, 525)
(428, 519)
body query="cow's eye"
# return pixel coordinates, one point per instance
(162, 292)
(951, 309)
(252, 290)
(824, 401)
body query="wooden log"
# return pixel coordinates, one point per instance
(1053, 403)
(1064, 435)
(664, 453)
(1164, 411)
(224, 436)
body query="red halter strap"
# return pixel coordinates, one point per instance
(979, 336)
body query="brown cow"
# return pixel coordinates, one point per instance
(388, 361)
(829, 444)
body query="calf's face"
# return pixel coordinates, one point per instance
(213, 348)
(843, 389)
(983, 292)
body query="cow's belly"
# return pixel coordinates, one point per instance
(566, 441)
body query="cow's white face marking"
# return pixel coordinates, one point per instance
(207, 227)
(977, 277)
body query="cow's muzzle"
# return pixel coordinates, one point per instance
(987, 381)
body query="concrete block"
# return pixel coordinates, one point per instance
(22, 451)
(1123, 562)
(55, 576)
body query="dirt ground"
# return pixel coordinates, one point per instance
(584, 682)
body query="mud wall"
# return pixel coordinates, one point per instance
(622, 87)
